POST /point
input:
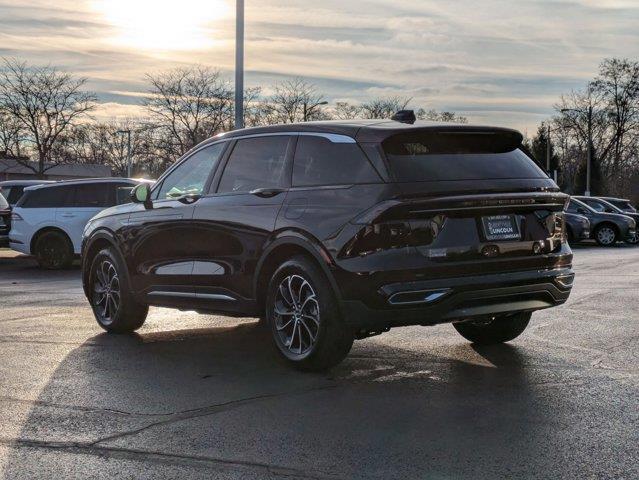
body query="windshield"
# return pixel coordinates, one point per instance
(441, 156)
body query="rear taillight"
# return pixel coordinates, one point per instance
(394, 234)
(15, 217)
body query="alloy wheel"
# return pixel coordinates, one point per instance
(297, 315)
(606, 235)
(106, 291)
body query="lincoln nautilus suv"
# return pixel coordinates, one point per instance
(335, 231)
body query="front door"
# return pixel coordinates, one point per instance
(236, 219)
(160, 237)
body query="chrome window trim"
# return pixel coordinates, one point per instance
(332, 137)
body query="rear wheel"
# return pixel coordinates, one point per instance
(606, 235)
(53, 250)
(114, 306)
(304, 318)
(499, 329)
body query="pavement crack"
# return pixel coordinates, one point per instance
(159, 456)
(206, 411)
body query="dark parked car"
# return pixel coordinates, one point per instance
(602, 205)
(5, 221)
(622, 203)
(577, 227)
(606, 228)
(12, 190)
(338, 231)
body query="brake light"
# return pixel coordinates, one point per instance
(393, 235)
(15, 217)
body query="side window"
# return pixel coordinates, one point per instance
(596, 205)
(49, 197)
(572, 208)
(122, 193)
(90, 195)
(318, 161)
(255, 163)
(191, 175)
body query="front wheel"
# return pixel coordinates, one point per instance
(114, 306)
(499, 329)
(304, 317)
(634, 240)
(606, 235)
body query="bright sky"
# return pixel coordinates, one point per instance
(501, 62)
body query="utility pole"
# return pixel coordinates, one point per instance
(589, 161)
(128, 150)
(548, 148)
(309, 109)
(588, 114)
(239, 64)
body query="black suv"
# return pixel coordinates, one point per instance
(332, 232)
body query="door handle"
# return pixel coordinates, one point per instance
(189, 199)
(267, 192)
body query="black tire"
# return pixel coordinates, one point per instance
(633, 240)
(53, 250)
(502, 329)
(323, 342)
(115, 313)
(606, 235)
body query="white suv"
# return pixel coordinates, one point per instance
(49, 219)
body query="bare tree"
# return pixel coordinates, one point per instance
(437, 116)
(384, 107)
(296, 101)
(191, 104)
(347, 111)
(12, 135)
(46, 102)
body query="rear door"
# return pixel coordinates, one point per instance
(84, 202)
(234, 221)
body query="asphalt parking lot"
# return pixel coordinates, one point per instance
(195, 396)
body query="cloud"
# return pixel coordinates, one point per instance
(496, 61)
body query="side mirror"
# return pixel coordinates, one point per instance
(142, 194)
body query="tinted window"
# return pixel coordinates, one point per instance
(318, 161)
(12, 194)
(458, 156)
(91, 195)
(191, 175)
(123, 193)
(255, 163)
(3, 203)
(48, 197)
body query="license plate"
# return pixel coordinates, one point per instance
(501, 227)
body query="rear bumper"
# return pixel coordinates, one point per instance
(447, 300)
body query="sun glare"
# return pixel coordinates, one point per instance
(162, 24)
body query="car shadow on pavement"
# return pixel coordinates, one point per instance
(222, 398)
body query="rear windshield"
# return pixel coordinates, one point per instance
(441, 156)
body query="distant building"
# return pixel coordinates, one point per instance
(11, 169)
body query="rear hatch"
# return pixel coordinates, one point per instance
(464, 197)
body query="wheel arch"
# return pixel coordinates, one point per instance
(98, 241)
(49, 228)
(608, 223)
(280, 250)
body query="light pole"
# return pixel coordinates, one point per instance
(588, 114)
(239, 64)
(128, 150)
(309, 109)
